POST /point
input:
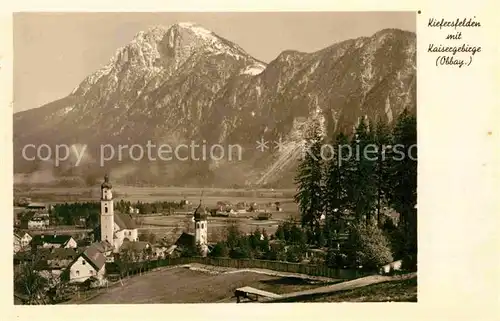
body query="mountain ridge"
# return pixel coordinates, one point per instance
(183, 83)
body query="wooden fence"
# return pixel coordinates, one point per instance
(298, 268)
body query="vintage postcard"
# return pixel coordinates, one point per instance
(226, 157)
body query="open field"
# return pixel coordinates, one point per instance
(183, 285)
(151, 194)
(163, 225)
(247, 222)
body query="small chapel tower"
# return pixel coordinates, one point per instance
(107, 211)
(201, 230)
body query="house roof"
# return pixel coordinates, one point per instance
(185, 240)
(36, 205)
(49, 258)
(102, 246)
(20, 234)
(95, 257)
(138, 246)
(51, 239)
(58, 254)
(124, 221)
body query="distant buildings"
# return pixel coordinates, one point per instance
(37, 222)
(54, 241)
(35, 216)
(38, 207)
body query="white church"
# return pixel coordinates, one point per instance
(115, 227)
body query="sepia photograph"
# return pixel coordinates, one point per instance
(214, 157)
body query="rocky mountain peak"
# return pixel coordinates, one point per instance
(185, 83)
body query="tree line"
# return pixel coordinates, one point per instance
(71, 213)
(372, 170)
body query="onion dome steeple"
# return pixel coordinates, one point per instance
(106, 183)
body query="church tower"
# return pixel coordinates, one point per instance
(201, 230)
(107, 211)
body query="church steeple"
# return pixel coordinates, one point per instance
(106, 183)
(107, 211)
(201, 229)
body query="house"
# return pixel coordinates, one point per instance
(253, 207)
(54, 261)
(91, 263)
(37, 223)
(18, 214)
(53, 241)
(241, 206)
(163, 251)
(50, 263)
(21, 241)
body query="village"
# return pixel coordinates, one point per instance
(72, 259)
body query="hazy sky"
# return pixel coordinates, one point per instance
(54, 52)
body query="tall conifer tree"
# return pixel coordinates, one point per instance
(361, 189)
(382, 139)
(309, 180)
(403, 177)
(335, 193)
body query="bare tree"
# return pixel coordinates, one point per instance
(29, 283)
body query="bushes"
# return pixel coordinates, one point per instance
(369, 247)
(336, 259)
(220, 250)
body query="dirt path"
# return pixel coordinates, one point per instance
(348, 285)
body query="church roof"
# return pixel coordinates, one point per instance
(124, 221)
(185, 240)
(200, 213)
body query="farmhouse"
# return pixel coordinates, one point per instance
(90, 263)
(49, 262)
(53, 241)
(35, 220)
(21, 241)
